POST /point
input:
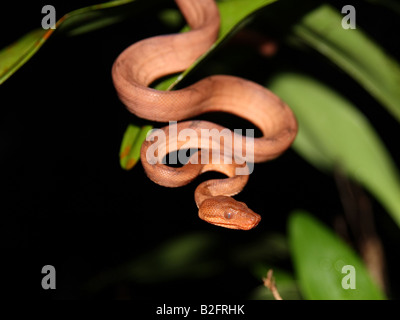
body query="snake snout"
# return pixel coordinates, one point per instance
(250, 220)
(254, 219)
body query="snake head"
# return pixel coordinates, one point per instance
(226, 212)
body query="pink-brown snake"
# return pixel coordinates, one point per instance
(147, 60)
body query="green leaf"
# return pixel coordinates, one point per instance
(76, 22)
(234, 14)
(319, 257)
(129, 153)
(98, 16)
(15, 55)
(333, 133)
(354, 52)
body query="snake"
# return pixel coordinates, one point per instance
(142, 63)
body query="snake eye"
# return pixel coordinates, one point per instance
(228, 215)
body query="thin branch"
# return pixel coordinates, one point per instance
(269, 282)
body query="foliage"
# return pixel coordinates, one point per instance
(334, 134)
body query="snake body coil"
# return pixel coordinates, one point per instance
(150, 59)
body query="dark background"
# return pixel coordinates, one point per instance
(65, 201)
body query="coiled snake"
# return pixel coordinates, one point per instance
(150, 59)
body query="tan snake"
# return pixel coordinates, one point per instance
(147, 60)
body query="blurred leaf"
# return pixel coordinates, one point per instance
(234, 14)
(332, 132)
(355, 53)
(319, 257)
(132, 141)
(270, 246)
(179, 258)
(76, 22)
(185, 256)
(171, 17)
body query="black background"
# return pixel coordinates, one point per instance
(65, 200)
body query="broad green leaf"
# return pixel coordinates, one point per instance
(129, 153)
(354, 52)
(320, 257)
(334, 133)
(76, 22)
(234, 14)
